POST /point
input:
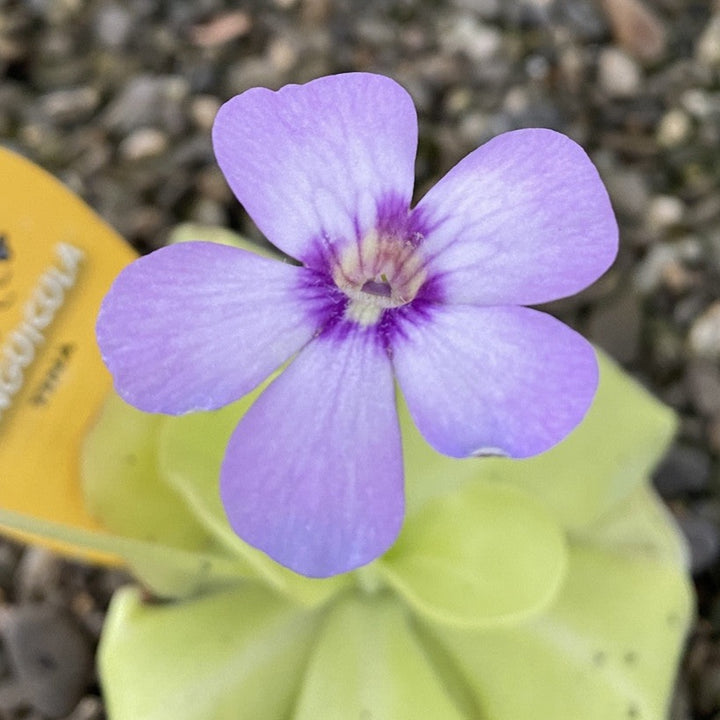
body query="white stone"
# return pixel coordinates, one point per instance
(674, 128)
(704, 336)
(619, 75)
(144, 143)
(707, 49)
(465, 34)
(664, 211)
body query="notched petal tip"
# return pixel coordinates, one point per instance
(301, 159)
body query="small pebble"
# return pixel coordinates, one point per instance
(685, 469)
(648, 273)
(704, 336)
(147, 100)
(674, 128)
(697, 102)
(144, 143)
(467, 35)
(629, 191)
(71, 106)
(584, 19)
(702, 378)
(703, 539)
(89, 708)
(619, 75)
(637, 28)
(208, 212)
(51, 657)
(203, 110)
(113, 24)
(37, 574)
(221, 29)
(707, 49)
(664, 211)
(616, 325)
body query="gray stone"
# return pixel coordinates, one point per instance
(147, 100)
(628, 191)
(37, 574)
(615, 326)
(584, 18)
(698, 102)
(71, 106)
(685, 469)
(465, 34)
(702, 536)
(113, 24)
(52, 658)
(703, 382)
(651, 272)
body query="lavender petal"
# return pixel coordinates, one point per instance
(523, 219)
(498, 380)
(313, 472)
(197, 325)
(313, 162)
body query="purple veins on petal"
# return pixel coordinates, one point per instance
(496, 380)
(524, 219)
(313, 472)
(195, 326)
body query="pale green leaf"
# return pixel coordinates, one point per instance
(367, 664)
(174, 555)
(606, 458)
(121, 484)
(236, 655)
(191, 232)
(639, 526)
(487, 554)
(191, 451)
(166, 570)
(608, 647)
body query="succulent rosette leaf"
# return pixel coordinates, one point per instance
(432, 297)
(567, 598)
(496, 601)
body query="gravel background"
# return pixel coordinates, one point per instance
(117, 100)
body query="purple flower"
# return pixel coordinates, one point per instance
(432, 296)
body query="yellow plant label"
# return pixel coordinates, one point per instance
(57, 261)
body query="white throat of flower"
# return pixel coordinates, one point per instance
(377, 273)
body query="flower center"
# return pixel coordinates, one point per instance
(378, 273)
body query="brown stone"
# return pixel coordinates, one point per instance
(637, 29)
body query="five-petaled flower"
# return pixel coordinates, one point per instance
(432, 296)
